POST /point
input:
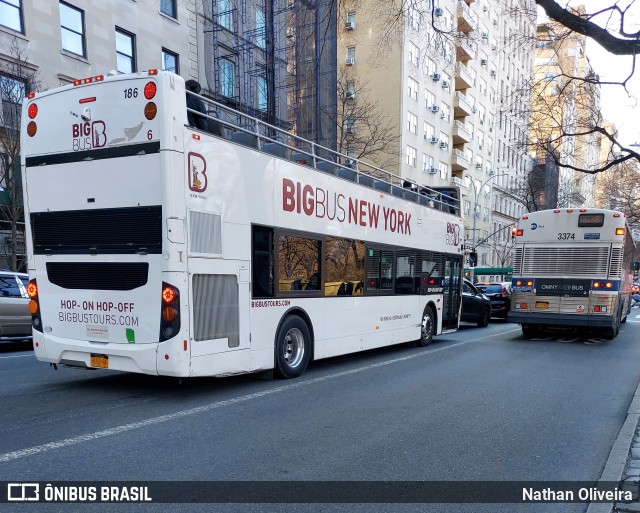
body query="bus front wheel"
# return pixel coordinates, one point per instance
(293, 347)
(427, 328)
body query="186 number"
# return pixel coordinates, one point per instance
(131, 92)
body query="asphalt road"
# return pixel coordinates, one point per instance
(482, 404)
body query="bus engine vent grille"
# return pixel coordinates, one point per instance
(126, 230)
(517, 261)
(215, 308)
(587, 262)
(98, 275)
(615, 269)
(205, 233)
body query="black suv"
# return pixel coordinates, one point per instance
(500, 296)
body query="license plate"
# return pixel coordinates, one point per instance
(542, 304)
(101, 361)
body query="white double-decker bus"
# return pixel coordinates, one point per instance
(572, 268)
(157, 248)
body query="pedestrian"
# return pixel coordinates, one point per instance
(195, 103)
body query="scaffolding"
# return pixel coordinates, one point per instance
(275, 60)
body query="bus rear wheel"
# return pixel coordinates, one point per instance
(427, 328)
(293, 347)
(530, 331)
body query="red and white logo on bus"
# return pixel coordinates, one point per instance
(87, 136)
(197, 172)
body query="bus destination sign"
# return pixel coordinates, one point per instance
(563, 287)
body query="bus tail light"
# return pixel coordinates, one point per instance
(150, 110)
(32, 128)
(150, 90)
(34, 305)
(519, 232)
(619, 231)
(32, 111)
(170, 312)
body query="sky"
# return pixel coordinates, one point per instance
(618, 106)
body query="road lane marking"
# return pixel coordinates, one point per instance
(67, 442)
(17, 356)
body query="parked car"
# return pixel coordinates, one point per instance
(15, 319)
(476, 307)
(500, 296)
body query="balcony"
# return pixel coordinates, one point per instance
(465, 19)
(461, 106)
(464, 49)
(458, 161)
(460, 183)
(460, 133)
(462, 77)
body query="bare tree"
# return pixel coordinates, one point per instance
(17, 78)
(619, 189)
(364, 130)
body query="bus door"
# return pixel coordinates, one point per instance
(451, 297)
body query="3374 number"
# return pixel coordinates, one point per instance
(566, 236)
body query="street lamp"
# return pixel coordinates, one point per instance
(475, 207)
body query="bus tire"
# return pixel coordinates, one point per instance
(485, 317)
(427, 328)
(611, 333)
(292, 348)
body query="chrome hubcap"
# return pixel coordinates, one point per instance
(293, 347)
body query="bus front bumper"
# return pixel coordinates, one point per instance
(562, 320)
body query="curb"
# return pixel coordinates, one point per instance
(617, 461)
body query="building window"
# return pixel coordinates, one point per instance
(224, 14)
(12, 93)
(412, 156)
(11, 14)
(413, 89)
(170, 61)
(261, 31)
(351, 55)
(168, 7)
(72, 28)
(125, 52)
(262, 94)
(226, 78)
(414, 54)
(412, 123)
(351, 20)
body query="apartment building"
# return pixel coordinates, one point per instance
(565, 103)
(452, 76)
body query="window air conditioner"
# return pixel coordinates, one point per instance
(350, 95)
(435, 77)
(438, 11)
(351, 130)
(434, 140)
(483, 62)
(433, 170)
(349, 25)
(435, 108)
(445, 84)
(350, 61)
(443, 145)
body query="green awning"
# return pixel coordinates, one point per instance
(487, 271)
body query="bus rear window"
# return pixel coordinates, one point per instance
(585, 220)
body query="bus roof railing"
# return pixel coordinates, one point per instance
(228, 123)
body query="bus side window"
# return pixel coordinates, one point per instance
(262, 262)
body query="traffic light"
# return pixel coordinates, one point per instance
(473, 259)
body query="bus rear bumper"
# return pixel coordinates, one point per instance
(562, 320)
(139, 358)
